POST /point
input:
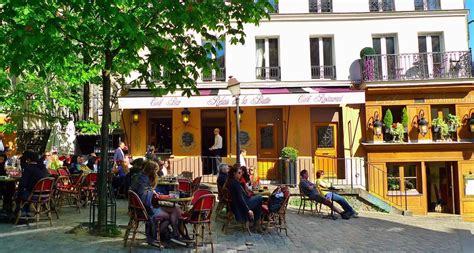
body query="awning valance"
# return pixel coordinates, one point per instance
(139, 99)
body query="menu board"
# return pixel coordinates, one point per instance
(469, 185)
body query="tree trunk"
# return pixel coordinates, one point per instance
(86, 100)
(104, 143)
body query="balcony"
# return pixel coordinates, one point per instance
(323, 72)
(320, 6)
(267, 73)
(417, 66)
(427, 5)
(215, 75)
(381, 5)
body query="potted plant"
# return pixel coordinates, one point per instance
(405, 119)
(289, 156)
(368, 63)
(388, 121)
(441, 128)
(398, 132)
(454, 122)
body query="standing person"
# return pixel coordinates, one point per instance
(216, 150)
(324, 186)
(243, 153)
(33, 171)
(119, 155)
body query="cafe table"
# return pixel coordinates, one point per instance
(182, 201)
(9, 179)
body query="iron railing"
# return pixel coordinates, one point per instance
(215, 75)
(320, 6)
(417, 66)
(323, 72)
(378, 185)
(268, 73)
(427, 5)
(381, 5)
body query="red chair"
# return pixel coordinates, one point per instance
(184, 186)
(195, 184)
(199, 216)
(63, 171)
(40, 197)
(137, 214)
(89, 187)
(69, 190)
(53, 173)
(198, 194)
(277, 219)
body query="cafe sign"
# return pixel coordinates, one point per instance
(336, 98)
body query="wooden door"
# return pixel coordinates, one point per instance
(325, 148)
(267, 151)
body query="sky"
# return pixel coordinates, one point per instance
(470, 6)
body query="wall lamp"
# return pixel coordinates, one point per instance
(471, 121)
(422, 123)
(377, 124)
(185, 114)
(136, 116)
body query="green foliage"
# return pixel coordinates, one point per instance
(388, 119)
(453, 121)
(114, 125)
(443, 128)
(289, 153)
(8, 128)
(393, 184)
(366, 51)
(87, 127)
(404, 117)
(398, 132)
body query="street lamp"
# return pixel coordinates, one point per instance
(377, 124)
(471, 123)
(233, 85)
(422, 123)
(185, 116)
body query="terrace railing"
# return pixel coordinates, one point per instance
(267, 73)
(323, 72)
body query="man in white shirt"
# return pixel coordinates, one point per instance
(216, 150)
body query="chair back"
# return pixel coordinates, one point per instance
(195, 184)
(184, 185)
(202, 209)
(286, 199)
(187, 174)
(198, 194)
(136, 209)
(91, 179)
(63, 182)
(42, 190)
(53, 173)
(63, 171)
(78, 180)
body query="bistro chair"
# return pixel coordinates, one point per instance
(195, 184)
(89, 187)
(198, 194)
(69, 190)
(199, 216)
(39, 198)
(277, 219)
(53, 173)
(304, 199)
(137, 214)
(221, 204)
(184, 187)
(231, 217)
(63, 171)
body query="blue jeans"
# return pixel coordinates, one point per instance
(22, 195)
(255, 204)
(342, 201)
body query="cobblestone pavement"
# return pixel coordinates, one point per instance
(372, 232)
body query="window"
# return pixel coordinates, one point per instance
(408, 173)
(396, 112)
(274, 3)
(322, 63)
(427, 5)
(219, 56)
(442, 112)
(430, 58)
(320, 6)
(381, 5)
(267, 57)
(386, 60)
(161, 131)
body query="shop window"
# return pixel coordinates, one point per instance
(408, 173)
(161, 132)
(396, 112)
(441, 112)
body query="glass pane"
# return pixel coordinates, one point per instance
(326, 5)
(220, 57)
(374, 5)
(376, 44)
(388, 5)
(393, 170)
(435, 44)
(314, 51)
(422, 44)
(419, 5)
(327, 47)
(326, 137)
(260, 53)
(409, 170)
(433, 5)
(266, 137)
(410, 183)
(390, 44)
(273, 45)
(393, 177)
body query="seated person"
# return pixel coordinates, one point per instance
(120, 175)
(143, 185)
(245, 181)
(223, 169)
(254, 178)
(323, 186)
(309, 189)
(75, 167)
(245, 208)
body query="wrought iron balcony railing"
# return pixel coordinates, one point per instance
(323, 72)
(417, 66)
(381, 5)
(427, 5)
(320, 6)
(267, 73)
(216, 75)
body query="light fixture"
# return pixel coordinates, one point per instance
(422, 123)
(185, 116)
(136, 116)
(241, 112)
(471, 123)
(377, 124)
(233, 86)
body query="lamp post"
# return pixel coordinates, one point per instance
(422, 123)
(233, 85)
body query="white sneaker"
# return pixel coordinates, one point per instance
(178, 241)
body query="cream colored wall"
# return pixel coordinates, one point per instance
(193, 127)
(352, 128)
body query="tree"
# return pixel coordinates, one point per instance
(157, 38)
(404, 117)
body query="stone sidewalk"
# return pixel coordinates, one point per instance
(372, 232)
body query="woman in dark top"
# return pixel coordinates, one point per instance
(33, 171)
(244, 208)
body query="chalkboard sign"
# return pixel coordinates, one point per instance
(244, 137)
(326, 137)
(266, 137)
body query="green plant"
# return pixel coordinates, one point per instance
(393, 184)
(87, 127)
(114, 125)
(388, 119)
(8, 128)
(366, 51)
(398, 132)
(441, 127)
(453, 122)
(289, 153)
(405, 117)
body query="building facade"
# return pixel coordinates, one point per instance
(305, 85)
